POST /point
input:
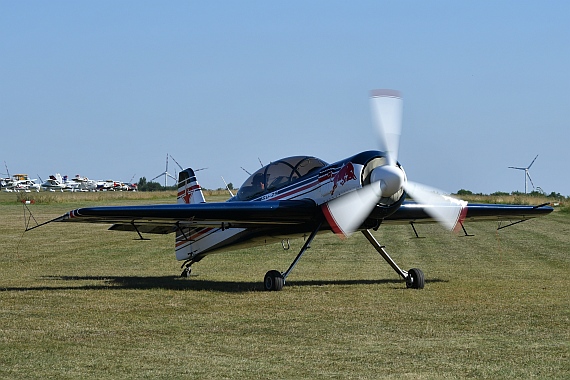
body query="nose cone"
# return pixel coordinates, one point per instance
(390, 178)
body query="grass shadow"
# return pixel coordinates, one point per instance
(178, 283)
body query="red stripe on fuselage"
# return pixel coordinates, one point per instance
(291, 193)
(193, 237)
(319, 180)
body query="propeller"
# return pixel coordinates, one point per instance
(347, 212)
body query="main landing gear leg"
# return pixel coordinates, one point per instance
(414, 277)
(274, 280)
(187, 265)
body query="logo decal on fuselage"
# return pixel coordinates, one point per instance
(345, 174)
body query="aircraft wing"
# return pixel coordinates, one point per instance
(412, 212)
(166, 218)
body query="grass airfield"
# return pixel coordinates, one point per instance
(78, 301)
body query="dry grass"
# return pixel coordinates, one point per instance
(122, 197)
(83, 302)
(513, 199)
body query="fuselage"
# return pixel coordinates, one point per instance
(293, 178)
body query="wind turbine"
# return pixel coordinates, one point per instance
(526, 173)
(166, 174)
(180, 166)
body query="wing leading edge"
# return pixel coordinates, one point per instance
(412, 212)
(166, 218)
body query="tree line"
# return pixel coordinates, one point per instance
(534, 193)
(144, 185)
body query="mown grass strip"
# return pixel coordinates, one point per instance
(83, 302)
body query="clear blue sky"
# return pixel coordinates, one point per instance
(106, 89)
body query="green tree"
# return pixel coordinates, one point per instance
(464, 192)
(154, 186)
(143, 185)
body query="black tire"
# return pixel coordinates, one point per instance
(273, 281)
(415, 279)
(186, 272)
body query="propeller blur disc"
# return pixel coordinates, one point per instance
(346, 213)
(386, 106)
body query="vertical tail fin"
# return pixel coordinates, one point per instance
(189, 192)
(188, 189)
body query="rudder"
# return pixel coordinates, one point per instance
(189, 191)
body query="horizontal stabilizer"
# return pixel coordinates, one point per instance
(144, 228)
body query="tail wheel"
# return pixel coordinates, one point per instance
(273, 281)
(415, 279)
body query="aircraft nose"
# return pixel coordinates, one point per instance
(390, 178)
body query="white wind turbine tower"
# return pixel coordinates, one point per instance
(166, 174)
(526, 173)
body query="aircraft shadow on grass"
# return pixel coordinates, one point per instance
(177, 283)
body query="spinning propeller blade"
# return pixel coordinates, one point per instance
(386, 106)
(346, 213)
(448, 211)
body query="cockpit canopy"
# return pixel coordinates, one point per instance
(278, 174)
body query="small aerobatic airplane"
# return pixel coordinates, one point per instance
(302, 196)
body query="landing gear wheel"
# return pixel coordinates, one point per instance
(186, 272)
(273, 281)
(415, 279)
